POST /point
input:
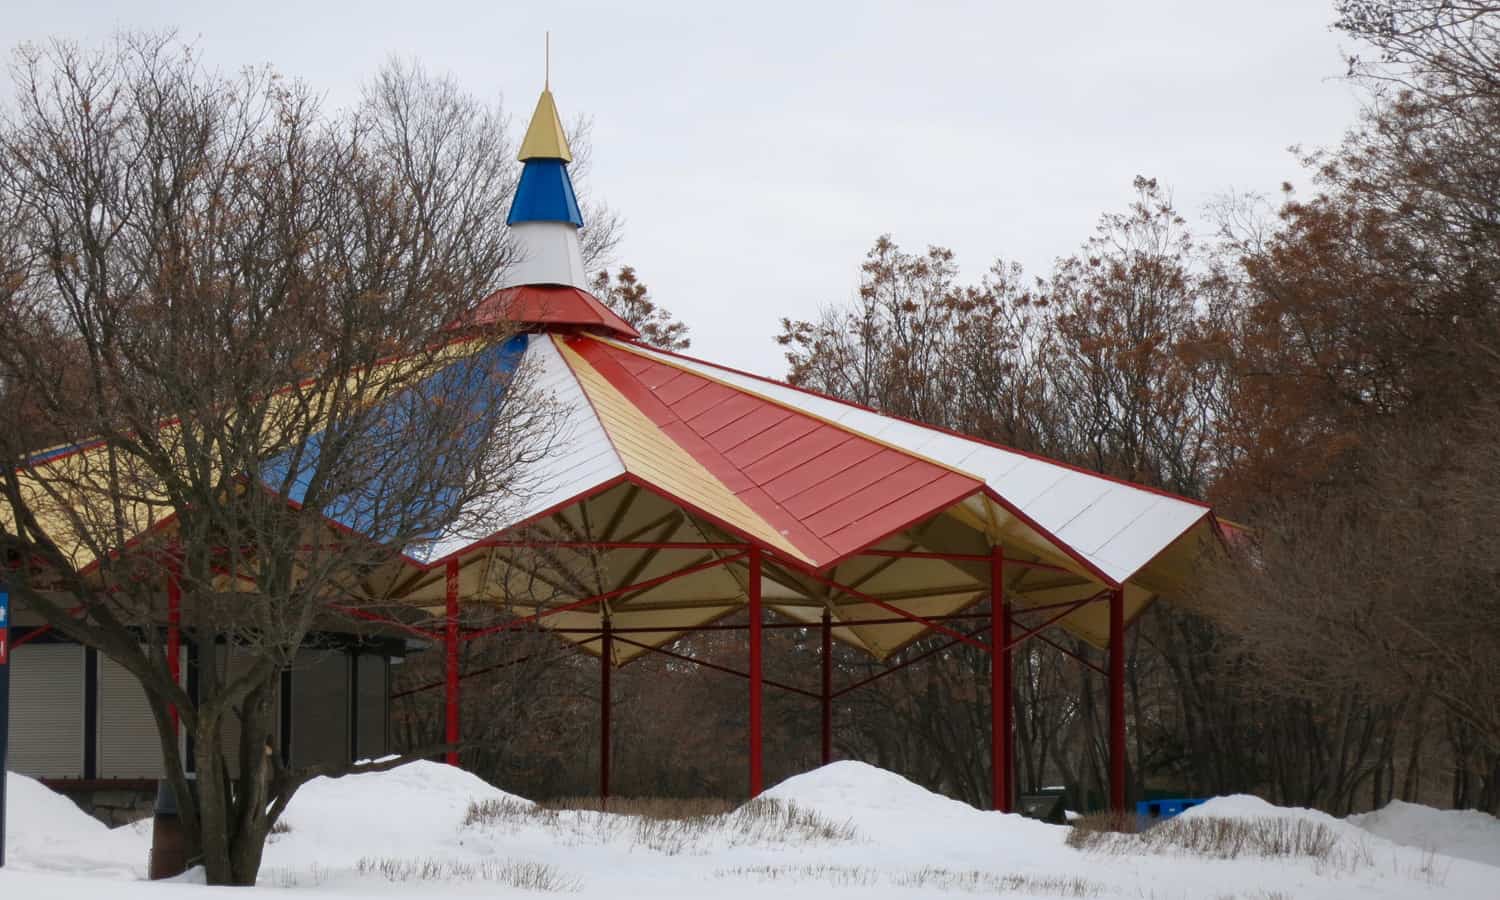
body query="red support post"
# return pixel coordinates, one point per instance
(174, 628)
(1008, 689)
(827, 692)
(450, 641)
(1117, 700)
(756, 772)
(606, 663)
(1000, 686)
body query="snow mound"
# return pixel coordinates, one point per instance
(38, 814)
(46, 831)
(1247, 806)
(861, 790)
(402, 834)
(1462, 833)
(382, 813)
(929, 829)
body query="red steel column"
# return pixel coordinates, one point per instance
(606, 663)
(1117, 700)
(1007, 691)
(174, 627)
(827, 695)
(1001, 713)
(450, 642)
(756, 773)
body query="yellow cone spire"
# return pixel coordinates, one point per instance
(544, 137)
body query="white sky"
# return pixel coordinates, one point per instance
(756, 150)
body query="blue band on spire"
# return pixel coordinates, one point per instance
(545, 194)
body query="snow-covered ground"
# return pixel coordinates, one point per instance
(846, 830)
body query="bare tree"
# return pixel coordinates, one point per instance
(1385, 589)
(1447, 50)
(631, 300)
(231, 310)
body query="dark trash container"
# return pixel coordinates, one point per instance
(1048, 805)
(168, 840)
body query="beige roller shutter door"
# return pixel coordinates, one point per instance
(46, 710)
(373, 705)
(128, 744)
(320, 707)
(233, 661)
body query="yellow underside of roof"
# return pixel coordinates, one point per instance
(657, 459)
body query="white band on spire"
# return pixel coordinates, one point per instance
(549, 253)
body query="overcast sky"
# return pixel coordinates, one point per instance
(757, 150)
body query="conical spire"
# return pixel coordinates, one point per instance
(544, 215)
(544, 137)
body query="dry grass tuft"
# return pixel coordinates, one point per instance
(650, 807)
(1086, 827)
(1229, 838)
(667, 826)
(973, 881)
(529, 876)
(824, 873)
(499, 810)
(930, 878)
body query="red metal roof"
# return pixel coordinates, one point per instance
(827, 489)
(550, 305)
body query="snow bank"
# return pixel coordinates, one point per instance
(37, 814)
(861, 791)
(1461, 833)
(416, 808)
(47, 831)
(916, 827)
(401, 834)
(1248, 806)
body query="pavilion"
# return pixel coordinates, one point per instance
(682, 493)
(685, 491)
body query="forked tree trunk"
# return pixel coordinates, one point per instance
(233, 806)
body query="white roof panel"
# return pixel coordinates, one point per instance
(1112, 513)
(1141, 540)
(1027, 481)
(1069, 497)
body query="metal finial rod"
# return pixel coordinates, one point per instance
(547, 64)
